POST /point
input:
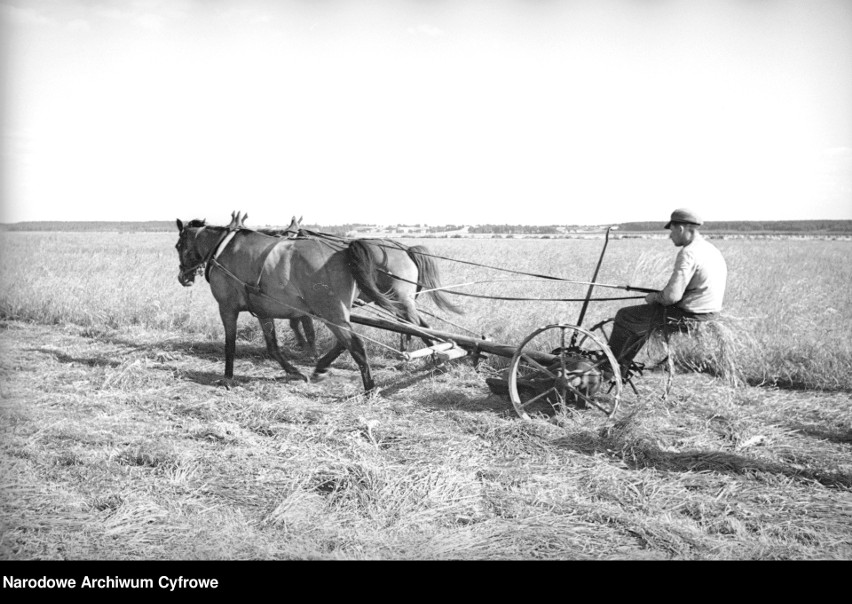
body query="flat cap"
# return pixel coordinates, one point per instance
(684, 215)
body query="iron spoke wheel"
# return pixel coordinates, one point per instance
(560, 367)
(533, 400)
(543, 371)
(630, 393)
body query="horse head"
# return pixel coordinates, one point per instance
(191, 260)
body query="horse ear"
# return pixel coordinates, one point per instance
(243, 221)
(179, 225)
(300, 220)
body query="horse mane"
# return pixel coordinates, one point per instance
(195, 222)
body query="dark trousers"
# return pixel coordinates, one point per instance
(634, 324)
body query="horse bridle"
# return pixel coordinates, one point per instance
(213, 252)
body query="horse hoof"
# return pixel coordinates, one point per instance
(295, 377)
(319, 377)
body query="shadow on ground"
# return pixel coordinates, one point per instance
(215, 378)
(839, 435)
(91, 361)
(644, 454)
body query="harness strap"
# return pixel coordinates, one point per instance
(224, 240)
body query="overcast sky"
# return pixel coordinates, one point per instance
(426, 111)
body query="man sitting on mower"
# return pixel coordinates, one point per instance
(695, 292)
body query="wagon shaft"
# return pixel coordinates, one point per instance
(466, 342)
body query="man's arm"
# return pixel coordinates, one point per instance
(682, 274)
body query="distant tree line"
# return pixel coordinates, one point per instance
(778, 226)
(339, 230)
(445, 228)
(99, 225)
(518, 229)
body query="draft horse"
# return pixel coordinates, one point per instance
(279, 278)
(401, 272)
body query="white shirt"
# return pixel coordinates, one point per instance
(698, 280)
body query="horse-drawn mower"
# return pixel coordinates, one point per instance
(296, 272)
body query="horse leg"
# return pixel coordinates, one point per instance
(300, 339)
(268, 326)
(321, 370)
(426, 325)
(356, 349)
(310, 335)
(308, 341)
(410, 314)
(229, 321)
(346, 339)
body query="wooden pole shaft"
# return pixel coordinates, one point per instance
(466, 342)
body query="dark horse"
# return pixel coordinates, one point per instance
(401, 272)
(280, 278)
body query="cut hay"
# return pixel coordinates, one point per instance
(715, 347)
(116, 459)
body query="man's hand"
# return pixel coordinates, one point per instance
(652, 298)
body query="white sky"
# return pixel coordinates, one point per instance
(412, 111)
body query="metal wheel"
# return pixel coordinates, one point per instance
(652, 357)
(560, 367)
(630, 394)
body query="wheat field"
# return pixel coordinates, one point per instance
(119, 442)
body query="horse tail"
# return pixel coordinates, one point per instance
(429, 279)
(364, 269)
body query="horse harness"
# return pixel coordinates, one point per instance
(250, 289)
(217, 250)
